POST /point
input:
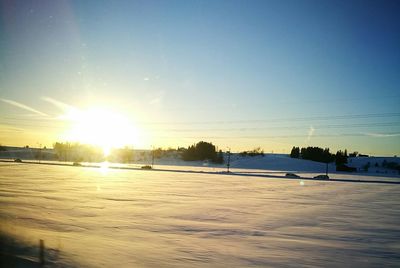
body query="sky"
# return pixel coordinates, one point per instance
(240, 74)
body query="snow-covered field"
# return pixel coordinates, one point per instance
(130, 218)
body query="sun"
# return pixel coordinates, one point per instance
(101, 127)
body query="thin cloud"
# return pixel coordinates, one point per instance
(383, 135)
(23, 106)
(69, 112)
(58, 104)
(158, 98)
(9, 128)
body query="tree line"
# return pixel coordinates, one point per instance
(74, 151)
(255, 152)
(203, 151)
(320, 155)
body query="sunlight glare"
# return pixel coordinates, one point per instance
(101, 127)
(104, 167)
(106, 150)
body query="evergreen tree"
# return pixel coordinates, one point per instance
(202, 151)
(295, 153)
(341, 158)
(314, 153)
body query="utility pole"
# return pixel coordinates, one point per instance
(152, 157)
(326, 171)
(40, 152)
(229, 160)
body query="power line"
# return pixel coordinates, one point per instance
(362, 125)
(387, 134)
(291, 127)
(287, 102)
(287, 119)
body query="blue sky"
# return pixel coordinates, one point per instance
(187, 63)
